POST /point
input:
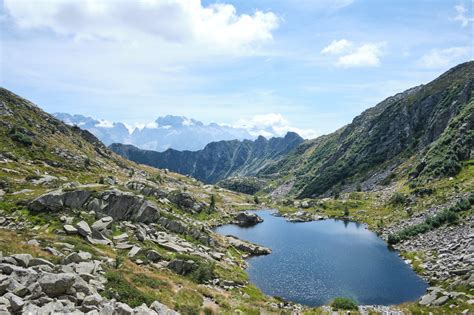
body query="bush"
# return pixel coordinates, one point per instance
(398, 199)
(203, 273)
(341, 303)
(256, 200)
(22, 138)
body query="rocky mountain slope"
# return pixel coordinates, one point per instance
(83, 230)
(425, 132)
(218, 160)
(177, 132)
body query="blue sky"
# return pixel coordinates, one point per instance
(305, 65)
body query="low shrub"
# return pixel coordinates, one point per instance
(446, 216)
(22, 138)
(341, 303)
(398, 199)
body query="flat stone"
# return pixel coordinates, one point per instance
(69, 229)
(40, 262)
(123, 246)
(77, 258)
(83, 228)
(120, 238)
(102, 224)
(441, 300)
(427, 299)
(135, 250)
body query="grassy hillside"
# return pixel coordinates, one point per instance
(431, 124)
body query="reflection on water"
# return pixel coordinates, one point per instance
(314, 262)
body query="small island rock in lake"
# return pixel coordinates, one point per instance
(247, 219)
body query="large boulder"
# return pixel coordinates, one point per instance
(125, 206)
(185, 201)
(55, 285)
(247, 219)
(182, 267)
(58, 200)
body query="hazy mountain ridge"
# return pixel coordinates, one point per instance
(176, 132)
(218, 160)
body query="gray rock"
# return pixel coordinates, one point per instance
(143, 310)
(427, 299)
(135, 250)
(123, 309)
(440, 301)
(16, 302)
(92, 300)
(182, 267)
(76, 258)
(120, 238)
(153, 256)
(140, 233)
(22, 259)
(127, 206)
(102, 224)
(55, 285)
(85, 267)
(83, 228)
(69, 229)
(247, 219)
(39, 262)
(162, 309)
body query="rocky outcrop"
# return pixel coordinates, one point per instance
(114, 203)
(247, 219)
(185, 201)
(247, 247)
(36, 286)
(182, 267)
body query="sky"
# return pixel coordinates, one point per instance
(305, 65)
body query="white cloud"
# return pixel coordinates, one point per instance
(174, 21)
(337, 47)
(367, 55)
(105, 124)
(461, 17)
(272, 125)
(352, 55)
(444, 58)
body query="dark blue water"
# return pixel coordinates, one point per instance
(314, 262)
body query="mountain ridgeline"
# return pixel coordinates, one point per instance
(218, 160)
(423, 133)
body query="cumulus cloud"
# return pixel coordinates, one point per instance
(175, 21)
(351, 55)
(337, 47)
(272, 125)
(444, 58)
(462, 16)
(367, 55)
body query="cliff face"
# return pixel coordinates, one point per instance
(218, 160)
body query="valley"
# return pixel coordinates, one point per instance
(85, 230)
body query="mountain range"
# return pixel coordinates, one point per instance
(218, 160)
(422, 133)
(166, 132)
